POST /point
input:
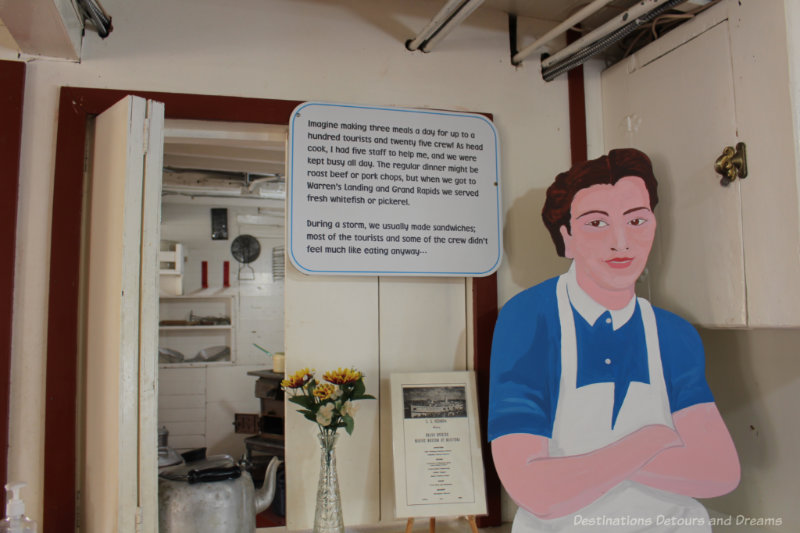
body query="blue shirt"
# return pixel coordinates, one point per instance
(526, 362)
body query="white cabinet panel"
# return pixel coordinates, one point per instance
(769, 196)
(332, 322)
(423, 329)
(724, 256)
(380, 326)
(182, 406)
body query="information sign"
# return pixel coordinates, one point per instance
(393, 191)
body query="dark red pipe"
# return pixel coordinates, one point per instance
(577, 108)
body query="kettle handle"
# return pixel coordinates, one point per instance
(220, 473)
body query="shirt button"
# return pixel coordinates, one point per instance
(608, 321)
(608, 361)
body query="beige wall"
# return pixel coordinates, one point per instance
(352, 51)
(755, 378)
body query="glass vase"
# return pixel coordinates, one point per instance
(328, 515)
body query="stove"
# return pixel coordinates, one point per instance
(269, 427)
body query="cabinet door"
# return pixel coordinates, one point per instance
(120, 345)
(764, 111)
(380, 326)
(682, 100)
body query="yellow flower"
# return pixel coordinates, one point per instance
(342, 376)
(324, 391)
(298, 379)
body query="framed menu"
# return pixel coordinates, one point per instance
(438, 465)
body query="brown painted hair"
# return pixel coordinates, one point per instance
(605, 170)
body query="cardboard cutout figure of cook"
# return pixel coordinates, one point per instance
(600, 416)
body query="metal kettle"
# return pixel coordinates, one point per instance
(212, 495)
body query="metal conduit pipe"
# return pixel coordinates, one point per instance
(585, 54)
(436, 22)
(457, 18)
(598, 33)
(446, 20)
(586, 11)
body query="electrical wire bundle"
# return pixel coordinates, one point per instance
(95, 15)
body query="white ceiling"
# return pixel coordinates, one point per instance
(224, 146)
(553, 10)
(259, 149)
(246, 149)
(234, 159)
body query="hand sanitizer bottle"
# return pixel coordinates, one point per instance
(15, 520)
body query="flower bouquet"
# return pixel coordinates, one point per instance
(330, 405)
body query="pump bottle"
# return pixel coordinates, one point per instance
(16, 521)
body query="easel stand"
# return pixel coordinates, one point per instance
(432, 524)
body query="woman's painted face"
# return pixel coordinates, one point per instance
(612, 233)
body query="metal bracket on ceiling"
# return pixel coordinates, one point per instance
(512, 38)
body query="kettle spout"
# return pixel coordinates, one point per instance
(265, 495)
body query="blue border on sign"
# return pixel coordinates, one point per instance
(300, 267)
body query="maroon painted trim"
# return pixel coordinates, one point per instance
(62, 330)
(75, 107)
(12, 91)
(577, 108)
(484, 316)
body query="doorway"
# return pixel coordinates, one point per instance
(76, 108)
(221, 288)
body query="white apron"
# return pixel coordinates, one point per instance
(582, 424)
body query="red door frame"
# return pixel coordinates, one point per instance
(76, 106)
(12, 90)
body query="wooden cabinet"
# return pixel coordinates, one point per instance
(197, 330)
(724, 256)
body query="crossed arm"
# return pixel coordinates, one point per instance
(696, 459)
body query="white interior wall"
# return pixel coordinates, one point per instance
(351, 51)
(197, 403)
(348, 51)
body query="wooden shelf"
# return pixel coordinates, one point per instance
(195, 364)
(183, 332)
(167, 328)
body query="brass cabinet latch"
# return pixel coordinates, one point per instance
(732, 163)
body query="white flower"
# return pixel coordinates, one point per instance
(349, 408)
(325, 414)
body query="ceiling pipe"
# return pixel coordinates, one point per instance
(586, 53)
(450, 25)
(612, 25)
(450, 16)
(436, 22)
(576, 18)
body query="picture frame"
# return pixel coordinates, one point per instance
(438, 464)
